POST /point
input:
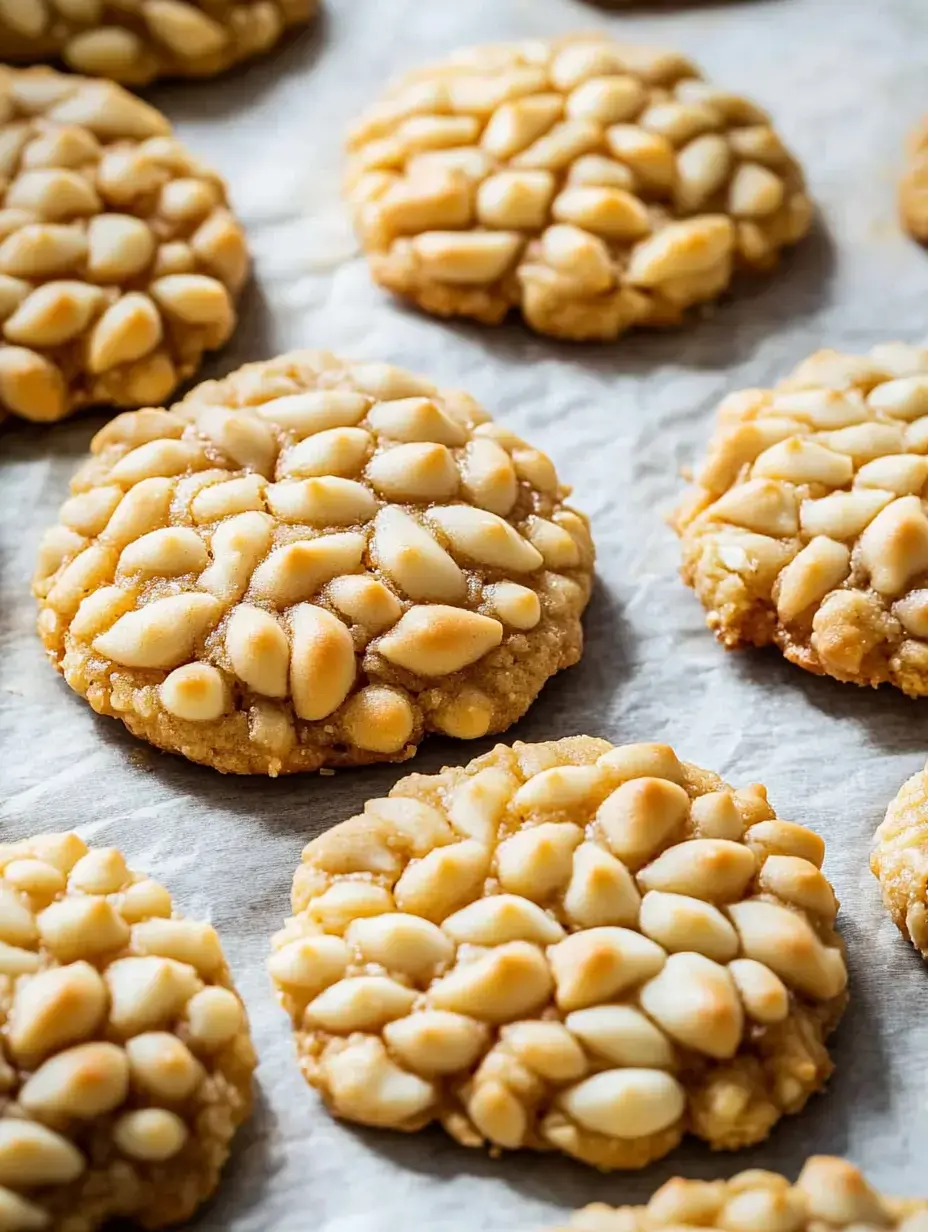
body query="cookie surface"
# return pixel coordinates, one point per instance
(125, 1054)
(829, 1193)
(119, 257)
(807, 529)
(592, 185)
(913, 187)
(565, 946)
(313, 562)
(135, 43)
(900, 860)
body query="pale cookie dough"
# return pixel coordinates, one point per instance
(119, 258)
(900, 860)
(565, 946)
(125, 1054)
(591, 184)
(913, 188)
(807, 526)
(135, 41)
(313, 562)
(830, 1194)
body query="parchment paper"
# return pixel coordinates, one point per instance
(845, 79)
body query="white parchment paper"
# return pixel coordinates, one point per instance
(844, 79)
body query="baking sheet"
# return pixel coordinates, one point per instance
(845, 79)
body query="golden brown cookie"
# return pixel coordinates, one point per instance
(565, 946)
(593, 185)
(138, 41)
(913, 187)
(900, 860)
(806, 528)
(313, 562)
(125, 1054)
(830, 1194)
(119, 257)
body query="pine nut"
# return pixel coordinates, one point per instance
(183, 940)
(486, 538)
(440, 882)
(510, 981)
(763, 994)
(31, 1155)
(405, 943)
(436, 1041)
(322, 664)
(364, 1003)
(365, 601)
(414, 560)
(599, 963)
(214, 1017)
(622, 1035)
(146, 993)
(628, 1103)
(640, 815)
(379, 720)
(163, 1066)
(258, 650)
(150, 1134)
(416, 419)
(83, 1082)
(489, 477)
(804, 962)
(367, 1087)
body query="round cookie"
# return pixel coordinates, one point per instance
(313, 562)
(119, 257)
(565, 946)
(807, 528)
(593, 185)
(125, 1055)
(913, 187)
(135, 43)
(830, 1193)
(900, 860)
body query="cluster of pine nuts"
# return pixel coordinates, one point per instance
(829, 1194)
(119, 257)
(125, 1056)
(565, 946)
(313, 555)
(808, 527)
(135, 41)
(593, 184)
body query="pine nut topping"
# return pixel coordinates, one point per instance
(828, 1193)
(267, 576)
(557, 946)
(113, 1051)
(597, 194)
(119, 257)
(808, 526)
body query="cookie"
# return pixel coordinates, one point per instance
(590, 184)
(313, 562)
(565, 946)
(900, 860)
(135, 43)
(829, 1193)
(119, 257)
(806, 528)
(913, 187)
(125, 1055)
